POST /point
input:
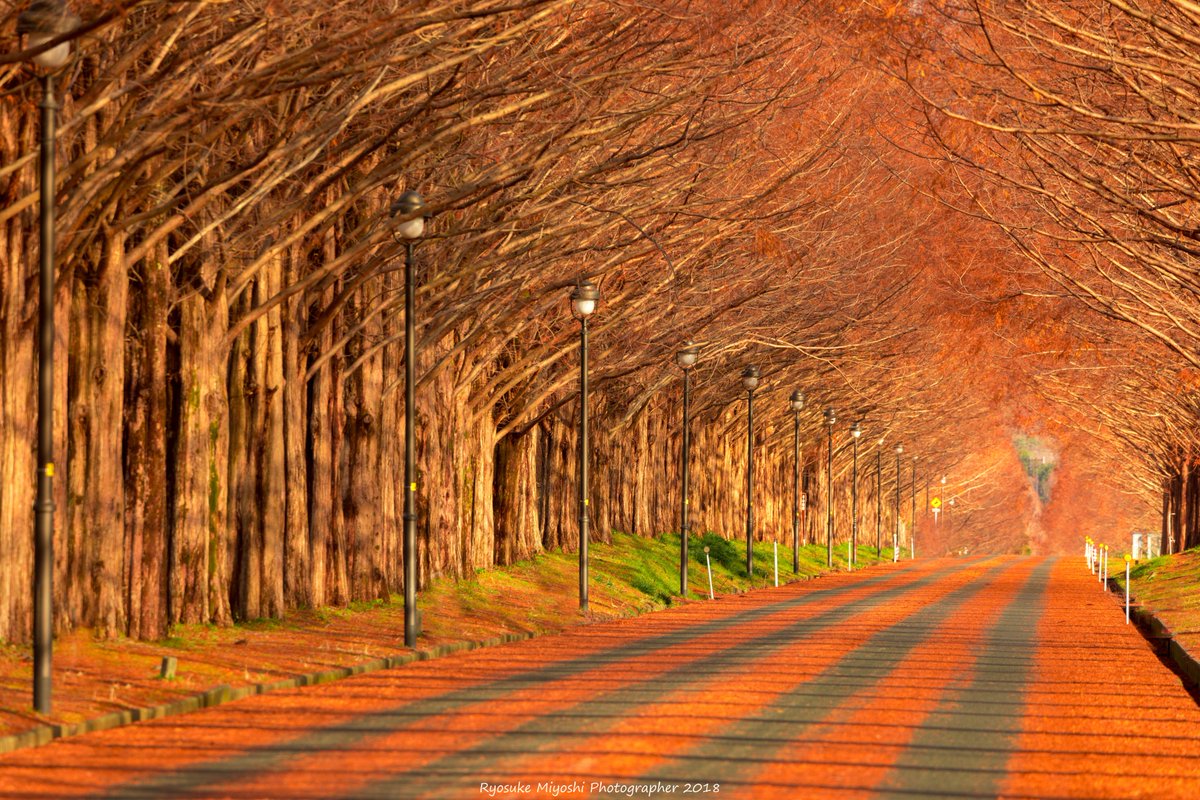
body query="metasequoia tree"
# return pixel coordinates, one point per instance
(231, 312)
(1069, 125)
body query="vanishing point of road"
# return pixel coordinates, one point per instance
(982, 677)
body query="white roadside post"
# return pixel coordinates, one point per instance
(1087, 551)
(1091, 546)
(776, 565)
(1127, 562)
(1104, 569)
(708, 566)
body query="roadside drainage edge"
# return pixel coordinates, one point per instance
(1162, 639)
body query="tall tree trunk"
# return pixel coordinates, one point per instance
(272, 466)
(297, 585)
(146, 467)
(320, 459)
(516, 506)
(103, 501)
(361, 478)
(199, 573)
(17, 418)
(245, 423)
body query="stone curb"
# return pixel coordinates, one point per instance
(222, 693)
(1161, 637)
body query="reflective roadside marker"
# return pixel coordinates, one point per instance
(708, 565)
(776, 565)
(1127, 560)
(895, 550)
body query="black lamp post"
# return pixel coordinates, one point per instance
(878, 498)
(856, 432)
(750, 376)
(686, 359)
(896, 530)
(797, 403)
(912, 540)
(830, 421)
(42, 22)
(409, 207)
(584, 297)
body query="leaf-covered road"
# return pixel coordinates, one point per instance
(974, 678)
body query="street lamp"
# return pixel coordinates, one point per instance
(856, 432)
(750, 376)
(878, 498)
(686, 359)
(830, 421)
(912, 539)
(797, 403)
(584, 297)
(896, 531)
(42, 22)
(409, 208)
(926, 494)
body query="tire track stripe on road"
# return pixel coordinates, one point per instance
(1103, 717)
(355, 730)
(849, 754)
(742, 748)
(533, 747)
(84, 764)
(962, 747)
(636, 742)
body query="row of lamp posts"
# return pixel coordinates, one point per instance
(686, 358)
(47, 20)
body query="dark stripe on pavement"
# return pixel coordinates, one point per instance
(739, 752)
(963, 746)
(195, 778)
(463, 769)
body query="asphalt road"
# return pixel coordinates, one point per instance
(1012, 677)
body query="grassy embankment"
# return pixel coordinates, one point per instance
(1169, 586)
(632, 574)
